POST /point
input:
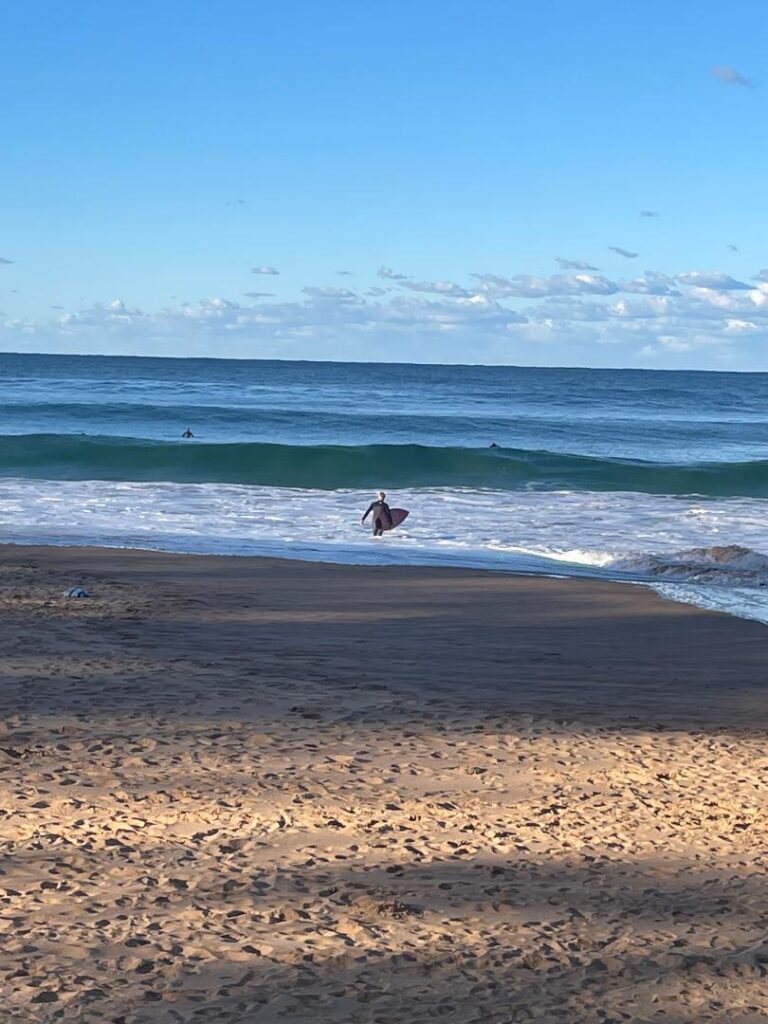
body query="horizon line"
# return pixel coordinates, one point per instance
(374, 362)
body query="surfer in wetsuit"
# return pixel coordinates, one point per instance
(382, 517)
(187, 433)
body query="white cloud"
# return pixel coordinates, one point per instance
(113, 314)
(492, 318)
(651, 283)
(436, 287)
(528, 286)
(710, 279)
(642, 308)
(567, 309)
(333, 294)
(390, 275)
(574, 264)
(323, 317)
(741, 326)
(264, 270)
(673, 344)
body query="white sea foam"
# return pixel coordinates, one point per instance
(704, 551)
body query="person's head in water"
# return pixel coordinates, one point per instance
(382, 495)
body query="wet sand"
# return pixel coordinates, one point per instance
(238, 790)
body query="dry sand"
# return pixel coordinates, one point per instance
(238, 790)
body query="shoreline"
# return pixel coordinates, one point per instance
(715, 657)
(716, 598)
(247, 789)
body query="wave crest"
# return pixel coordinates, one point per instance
(332, 467)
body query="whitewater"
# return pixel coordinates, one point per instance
(651, 478)
(684, 549)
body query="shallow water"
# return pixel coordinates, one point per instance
(636, 474)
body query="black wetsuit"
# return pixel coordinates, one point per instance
(382, 518)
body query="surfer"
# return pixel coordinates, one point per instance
(382, 517)
(187, 433)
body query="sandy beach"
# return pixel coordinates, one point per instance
(238, 790)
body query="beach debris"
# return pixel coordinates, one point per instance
(398, 909)
(77, 592)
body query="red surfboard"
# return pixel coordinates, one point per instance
(399, 515)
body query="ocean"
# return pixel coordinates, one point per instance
(655, 477)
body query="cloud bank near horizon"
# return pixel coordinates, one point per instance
(652, 319)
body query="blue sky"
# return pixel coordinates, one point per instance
(156, 154)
